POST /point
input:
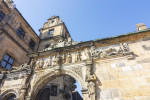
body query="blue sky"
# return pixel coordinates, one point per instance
(88, 19)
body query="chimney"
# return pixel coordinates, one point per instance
(141, 26)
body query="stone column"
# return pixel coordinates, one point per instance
(85, 94)
(91, 79)
(92, 90)
(89, 64)
(22, 94)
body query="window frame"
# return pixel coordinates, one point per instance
(7, 61)
(2, 15)
(51, 30)
(20, 32)
(31, 45)
(54, 85)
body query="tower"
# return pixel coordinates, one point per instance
(52, 32)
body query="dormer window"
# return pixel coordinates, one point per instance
(51, 32)
(1, 15)
(20, 32)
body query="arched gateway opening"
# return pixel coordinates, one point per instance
(9, 95)
(60, 88)
(46, 89)
(42, 89)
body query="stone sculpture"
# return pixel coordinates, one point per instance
(87, 53)
(61, 43)
(68, 58)
(56, 60)
(78, 56)
(94, 52)
(40, 64)
(124, 47)
(111, 51)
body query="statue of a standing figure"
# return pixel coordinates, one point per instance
(50, 61)
(32, 63)
(69, 58)
(40, 64)
(91, 90)
(87, 53)
(56, 60)
(78, 56)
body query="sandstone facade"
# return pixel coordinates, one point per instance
(114, 68)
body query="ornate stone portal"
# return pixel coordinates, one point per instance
(115, 68)
(31, 77)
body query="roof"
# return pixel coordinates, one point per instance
(117, 36)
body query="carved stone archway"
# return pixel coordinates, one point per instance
(8, 93)
(43, 76)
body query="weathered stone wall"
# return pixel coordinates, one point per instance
(120, 78)
(11, 43)
(9, 46)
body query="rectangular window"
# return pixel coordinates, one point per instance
(51, 32)
(54, 90)
(7, 62)
(1, 15)
(31, 44)
(20, 32)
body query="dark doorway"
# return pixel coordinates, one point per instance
(11, 97)
(44, 94)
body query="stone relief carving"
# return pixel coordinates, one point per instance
(23, 67)
(61, 43)
(78, 56)
(87, 53)
(100, 53)
(56, 60)
(124, 47)
(48, 62)
(77, 70)
(69, 58)
(32, 63)
(94, 52)
(110, 51)
(39, 64)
